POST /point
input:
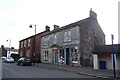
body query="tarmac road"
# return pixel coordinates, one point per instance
(11, 70)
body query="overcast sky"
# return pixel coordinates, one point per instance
(17, 15)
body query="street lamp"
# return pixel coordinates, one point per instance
(113, 56)
(9, 46)
(31, 26)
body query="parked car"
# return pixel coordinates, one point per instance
(9, 60)
(25, 61)
(3, 58)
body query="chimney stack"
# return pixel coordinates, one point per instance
(47, 28)
(56, 27)
(2, 46)
(93, 14)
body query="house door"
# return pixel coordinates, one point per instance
(55, 56)
(67, 56)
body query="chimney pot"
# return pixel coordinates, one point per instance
(93, 14)
(56, 27)
(47, 28)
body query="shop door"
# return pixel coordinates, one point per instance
(67, 56)
(55, 56)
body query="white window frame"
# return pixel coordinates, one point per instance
(21, 44)
(46, 41)
(28, 42)
(45, 55)
(69, 35)
(65, 36)
(21, 53)
(25, 43)
(28, 53)
(55, 39)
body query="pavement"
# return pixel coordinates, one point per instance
(89, 71)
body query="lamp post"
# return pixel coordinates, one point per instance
(31, 26)
(9, 46)
(113, 56)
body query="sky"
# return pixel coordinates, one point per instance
(17, 15)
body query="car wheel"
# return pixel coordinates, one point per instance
(32, 64)
(22, 64)
(17, 64)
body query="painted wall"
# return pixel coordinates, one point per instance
(11, 52)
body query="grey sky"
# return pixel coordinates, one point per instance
(17, 15)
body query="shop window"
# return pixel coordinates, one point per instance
(74, 54)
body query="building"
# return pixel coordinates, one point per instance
(103, 56)
(30, 47)
(73, 43)
(7, 52)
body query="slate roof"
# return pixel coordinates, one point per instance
(14, 50)
(67, 26)
(33, 36)
(107, 49)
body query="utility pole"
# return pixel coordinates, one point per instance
(9, 46)
(113, 56)
(34, 54)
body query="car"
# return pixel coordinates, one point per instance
(9, 60)
(25, 61)
(3, 58)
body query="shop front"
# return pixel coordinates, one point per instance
(69, 55)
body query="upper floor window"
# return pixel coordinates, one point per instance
(46, 41)
(67, 36)
(25, 43)
(21, 44)
(28, 42)
(55, 39)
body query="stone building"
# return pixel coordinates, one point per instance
(30, 47)
(73, 43)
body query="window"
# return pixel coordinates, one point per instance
(46, 41)
(55, 39)
(28, 42)
(28, 53)
(74, 54)
(45, 55)
(21, 53)
(25, 43)
(67, 36)
(21, 44)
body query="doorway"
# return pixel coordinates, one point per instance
(67, 56)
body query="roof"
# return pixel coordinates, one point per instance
(14, 50)
(107, 49)
(33, 35)
(67, 26)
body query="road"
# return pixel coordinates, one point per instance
(11, 70)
